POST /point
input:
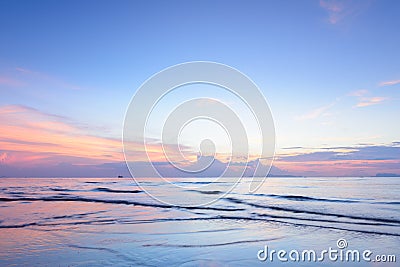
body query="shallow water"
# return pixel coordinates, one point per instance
(96, 222)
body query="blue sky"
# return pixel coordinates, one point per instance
(329, 69)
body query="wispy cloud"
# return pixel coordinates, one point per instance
(366, 160)
(370, 152)
(365, 101)
(32, 138)
(388, 83)
(9, 81)
(24, 70)
(316, 112)
(359, 93)
(35, 143)
(338, 10)
(28, 134)
(44, 77)
(334, 9)
(369, 101)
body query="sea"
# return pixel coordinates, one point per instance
(115, 222)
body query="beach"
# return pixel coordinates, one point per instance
(110, 221)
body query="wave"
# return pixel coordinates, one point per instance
(57, 189)
(209, 245)
(196, 182)
(116, 201)
(305, 198)
(220, 217)
(105, 189)
(23, 225)
(98, 189)
(15, 193)
(389, 203)
(311, 225)
(76, 215)
(197, 232)
(323, 220)
(127, 259)
(213, 192)
(384, 220)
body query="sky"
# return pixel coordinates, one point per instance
(330, 71)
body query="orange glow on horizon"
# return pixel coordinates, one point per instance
(30, 137)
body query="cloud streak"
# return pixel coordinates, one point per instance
(388, 83)
(35, 76)
(9, 81)
(334, 9)
(338, 10)
(28, 135)
(369, 101)
(359, 93)
(34, 143)
(343, 161)
(316, 112)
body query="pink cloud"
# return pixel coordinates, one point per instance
(334, 8)
(31, 137)
(367, 160)
(338, 10)
(359, 93)
(23, 70)
(316, 112)
(369, 101)
(8, 81)
(40, 76)
(388, 83)
(339, 167)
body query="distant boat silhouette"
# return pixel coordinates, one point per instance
(120, 176)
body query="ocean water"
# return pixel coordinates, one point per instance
(104, 222)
